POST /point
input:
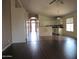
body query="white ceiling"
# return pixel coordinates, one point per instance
(55, 9)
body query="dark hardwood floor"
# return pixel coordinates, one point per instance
(45, 48)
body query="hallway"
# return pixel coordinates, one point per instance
(62, 48)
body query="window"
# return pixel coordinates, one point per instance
(69, 24)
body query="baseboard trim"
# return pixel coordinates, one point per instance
(70, 36)
(18, 42)
(6, 47)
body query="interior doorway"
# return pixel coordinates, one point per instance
(32, 30)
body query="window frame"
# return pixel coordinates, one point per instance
(72, 23)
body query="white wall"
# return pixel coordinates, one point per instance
(72, 34)
(18, 23)
(6, 24)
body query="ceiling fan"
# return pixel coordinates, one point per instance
(60, 1)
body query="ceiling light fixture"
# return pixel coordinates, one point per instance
(58, 18)
(60, 1)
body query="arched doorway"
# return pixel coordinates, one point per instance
(32, 27)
